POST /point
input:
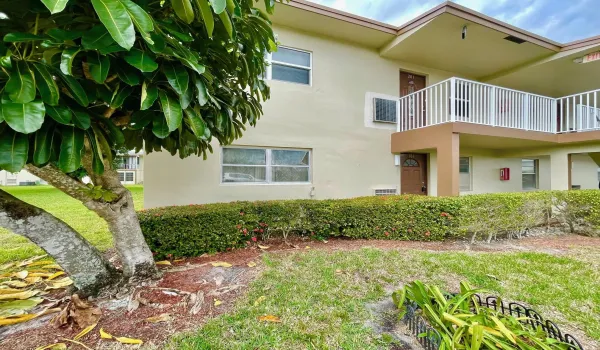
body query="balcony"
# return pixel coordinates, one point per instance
(461, 100)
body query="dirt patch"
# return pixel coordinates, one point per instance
(213, 290)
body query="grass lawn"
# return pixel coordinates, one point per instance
(321, 296)
(86, 222)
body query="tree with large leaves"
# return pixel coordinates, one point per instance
(82, 79)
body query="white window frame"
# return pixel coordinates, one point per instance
(125, 172)
(536, 172)
(470, 173)
(269, 167)
(270, 62)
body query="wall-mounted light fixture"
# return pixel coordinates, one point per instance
(464, 32)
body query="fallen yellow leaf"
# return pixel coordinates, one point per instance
(178, 260)
(40, 263)
(20, 296)
(260, 300)
(270, 318)
(263, 246)
(85, 331)
(56, 274)
(40, 274)
(7, 266)
(30, 260)
(218, 302)
(21, 274)
(220, 264)
(164, 262)
(33, 279)
(251, 264)
(56, 346)
(52, 267)
(16, 284)
(160, 318)
(6, 321)
(307, 247)
(9, 290)
(125, 340)
(105, 335)
(60, 283)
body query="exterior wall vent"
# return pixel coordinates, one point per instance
(385, 191)
(514, 39)
(384, 110)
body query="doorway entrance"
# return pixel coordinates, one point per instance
(410, 83)
(413, 175)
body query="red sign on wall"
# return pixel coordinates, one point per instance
(590, 57)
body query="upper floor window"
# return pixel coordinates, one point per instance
(291, 65)
(265, 165)
(530, 171)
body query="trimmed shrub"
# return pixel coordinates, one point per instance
(197, 229)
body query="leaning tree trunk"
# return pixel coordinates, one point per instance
(120, 215)
(72, 252)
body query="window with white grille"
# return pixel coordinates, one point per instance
(384, 110)
(385, 191)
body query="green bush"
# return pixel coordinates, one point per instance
(197, 229)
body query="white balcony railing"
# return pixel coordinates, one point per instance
(461, 100)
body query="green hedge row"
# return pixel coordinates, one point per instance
(197, 229)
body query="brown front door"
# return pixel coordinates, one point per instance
(410, 83)
(413, 178)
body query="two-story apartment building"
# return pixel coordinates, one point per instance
(452, 102)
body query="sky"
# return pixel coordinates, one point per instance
(559, 20)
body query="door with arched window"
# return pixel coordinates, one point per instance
(413, 175)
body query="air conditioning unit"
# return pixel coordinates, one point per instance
(384, 110)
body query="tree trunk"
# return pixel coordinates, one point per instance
(120, 215)
(71, 251)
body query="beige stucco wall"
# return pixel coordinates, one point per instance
(584, 171)
(348, 158)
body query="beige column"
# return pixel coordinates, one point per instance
(448, 159)
(560, 170)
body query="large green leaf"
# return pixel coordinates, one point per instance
(21, 37)
(202, 93)
(177, 76)
(81, 119)
(120, 96)
(159, 126)
(97, 38)
(60, 114)
(195, 122)
(224, 16)
(66, 60)
(21, 85)
(141, 60)
(99, 66)
(218, 5)
(46, 85)
(149, 95)
(183, 9)
(42, 146)
(76, 91)
(186, 98)
(140, 119)
(24, 117)
(55, 6)
(114, 132)
(270, 6)
(64, 35)
(97, 158)
(71, 145)
(207, 16)
(113, 14)
(127, 74)
(14, 149)
(171, 109)
(141, 19)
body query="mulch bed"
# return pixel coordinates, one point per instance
(171, 294)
